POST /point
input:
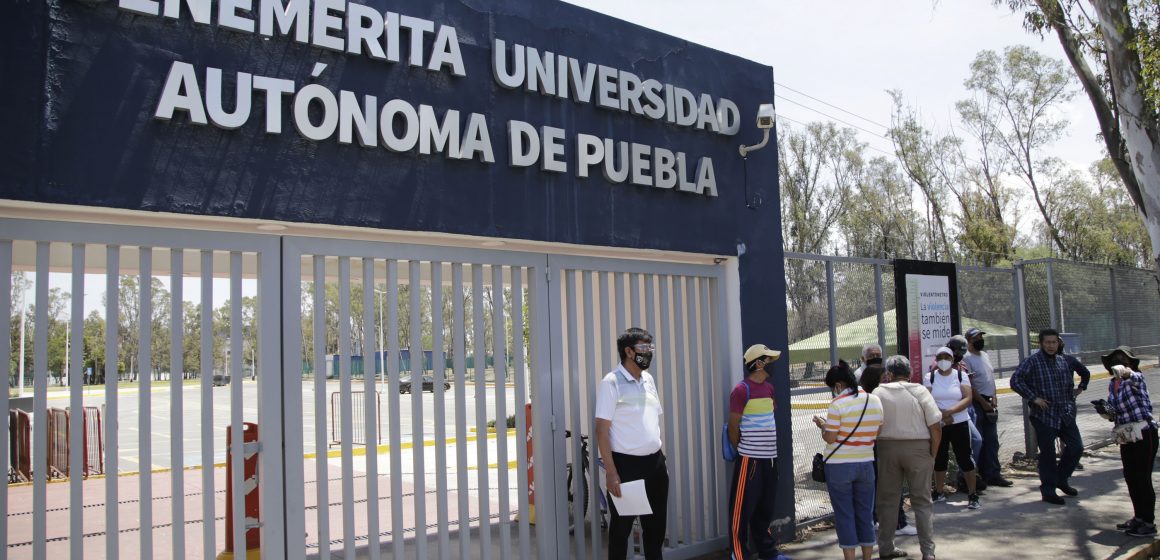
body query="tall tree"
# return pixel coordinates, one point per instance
(880, 221)
(1026, 87)
(930, 163)
(1114, 54)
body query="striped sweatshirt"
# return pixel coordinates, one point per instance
(842, 416)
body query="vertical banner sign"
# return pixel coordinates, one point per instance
(928, 311)
(928, 322)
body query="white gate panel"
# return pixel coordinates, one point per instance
(594, 300)
(419, 475)
(147, 423)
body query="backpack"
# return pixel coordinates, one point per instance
(728, 452)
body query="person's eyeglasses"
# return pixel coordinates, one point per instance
(644, 347)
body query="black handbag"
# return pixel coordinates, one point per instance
(818, 472)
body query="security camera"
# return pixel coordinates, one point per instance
(766, 116)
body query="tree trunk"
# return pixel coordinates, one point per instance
(1137, 120)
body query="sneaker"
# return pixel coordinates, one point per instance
(973, 502)
(1068, 490)
(1129, 524)
(938, 497)
(1143, 529)
(907, 531)
(1000, 481)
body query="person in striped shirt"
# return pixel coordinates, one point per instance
(850, 429)
(753, 431)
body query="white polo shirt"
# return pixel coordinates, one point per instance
(634, 408)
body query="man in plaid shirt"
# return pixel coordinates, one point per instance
(1046, 381)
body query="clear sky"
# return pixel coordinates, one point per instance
(849, 52)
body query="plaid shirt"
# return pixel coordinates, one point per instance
(1128, 400)
(1049, 378)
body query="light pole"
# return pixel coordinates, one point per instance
(382, 348)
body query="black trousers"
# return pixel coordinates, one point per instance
(1137, 458)
(751, 507)
(1052, 475)
(959, 437)
(655, 472)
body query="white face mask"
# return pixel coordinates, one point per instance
(944, 364)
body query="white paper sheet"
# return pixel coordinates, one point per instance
(633, 500)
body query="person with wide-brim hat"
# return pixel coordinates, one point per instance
(1130, 408)
(1109, 358)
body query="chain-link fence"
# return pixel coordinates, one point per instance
(836, 305)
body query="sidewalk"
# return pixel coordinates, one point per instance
(1014, 523)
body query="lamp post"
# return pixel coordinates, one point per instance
(382, 341)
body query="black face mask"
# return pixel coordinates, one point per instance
(873, 361)
(978, 345)
(643, 360)
(768, 369)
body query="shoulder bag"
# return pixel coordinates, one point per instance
(818, 473)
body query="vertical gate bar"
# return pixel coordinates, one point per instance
(1115, 305)
(208, 496)
(518, 365)
(634, 300)
(548, 401)
(679, 381)
(500, 373)
(371, 409)
(586, 400)
(177, 398)
(571, 375)
(665, 347)
(5, 358)
(237, 449)
(1030, 448)
(696, 390)
(479, 343)
(293, 334)
(1051, 295)
(439, 370)
(145, 396)
(609, 321)
(720, 317)
(346, 402)
(712, 348)
(321, 462)
(880, 307)
(621, 312)
(594, 339)
(459, 365)
(648, 322)
(415, 283)
(112, 465)
(40, 407)
(272, 406)
(832, 313)
(76, 454)
(398, 544)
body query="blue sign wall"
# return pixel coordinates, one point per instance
(84, 81)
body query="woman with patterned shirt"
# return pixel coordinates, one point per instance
(850, 429)
(1131, 409)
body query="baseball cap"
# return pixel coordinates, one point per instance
(758, 350)
(944, 350)
(973, 332)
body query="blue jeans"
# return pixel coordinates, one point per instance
(987, 460)
(852, 488)
(1051, 474)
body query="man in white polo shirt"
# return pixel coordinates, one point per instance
(628, 432)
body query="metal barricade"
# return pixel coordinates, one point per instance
(94, 442)
(20, 446)
(58, 450)
(358, 410)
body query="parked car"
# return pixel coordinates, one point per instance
(428, 385)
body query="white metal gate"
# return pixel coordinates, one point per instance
(592, 301)
(164, 431)
(374, 372)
